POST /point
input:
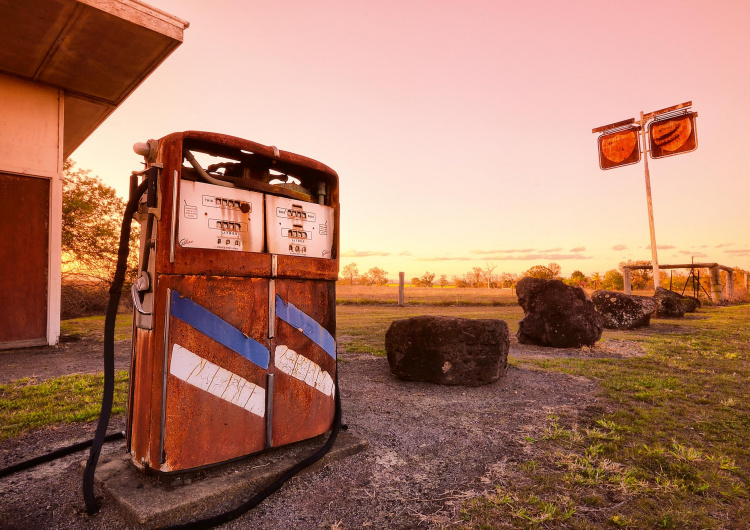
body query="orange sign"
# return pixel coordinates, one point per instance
(619, 148)
(673, 136)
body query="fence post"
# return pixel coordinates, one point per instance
(626, 280)
(401, 289)
(730, 285)
(716, 284)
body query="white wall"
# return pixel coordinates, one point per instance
(31, 134)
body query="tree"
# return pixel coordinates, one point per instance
(540, 271)
(427, 279)
(555, 268)
(578, 279)
(613, 280)
(350, 271)
(596, 279)
(488, 268)
(640, 279)
(443, 281)
(460, 281)
(510, 279)
(376, 276)
(91, 222)
(475, 276)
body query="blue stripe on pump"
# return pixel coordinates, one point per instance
(307, 325)
(219, 330)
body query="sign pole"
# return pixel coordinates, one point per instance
(654, 258)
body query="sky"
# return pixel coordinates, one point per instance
(461, 130)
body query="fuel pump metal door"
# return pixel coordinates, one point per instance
(303, 359)
(217, 356)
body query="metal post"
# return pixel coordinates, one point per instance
(626, 280)
(654, 258)
(401, 289)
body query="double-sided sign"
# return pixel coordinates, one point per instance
(619, 143)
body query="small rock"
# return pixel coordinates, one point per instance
(448, 350)
(557, 315)
(622, 311)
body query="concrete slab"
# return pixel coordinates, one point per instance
(153, 500)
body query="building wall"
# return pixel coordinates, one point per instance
(31, 125)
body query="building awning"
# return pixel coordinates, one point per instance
(97, 51)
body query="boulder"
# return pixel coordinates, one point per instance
(668, 304)
(557, 315)
(448, 350)
(623, 311)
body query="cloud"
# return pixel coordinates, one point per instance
(692, 253)
(404, 253)
(620, 247)
(551, 250)
(738, 251)
(511, 251)
(519, 257)
(363, 253)
(722, 245)
(577, 249)
(662, 247)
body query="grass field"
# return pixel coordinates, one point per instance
(666, 446)
(440, 296)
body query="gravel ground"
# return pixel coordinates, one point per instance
(431, 448)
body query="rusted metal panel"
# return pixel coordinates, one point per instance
(202, 428)
(673, 108)
(186, 260)
(619, 148)
(24, 218)
(673, 136)
(301, 410)
(141, 389)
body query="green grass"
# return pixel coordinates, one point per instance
(93, 327)
(26, 404)
(362, 328)
(665, 447)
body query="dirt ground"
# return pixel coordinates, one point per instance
(431, 447)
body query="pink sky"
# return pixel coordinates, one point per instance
(461, 131)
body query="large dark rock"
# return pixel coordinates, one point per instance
(689, 303)
(557, 315)
(668, 304)
(623, 311)
(448, 350)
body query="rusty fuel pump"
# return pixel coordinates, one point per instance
(234, 346)
(234, 325)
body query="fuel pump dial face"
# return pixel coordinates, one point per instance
(218, 217)
(299, 228)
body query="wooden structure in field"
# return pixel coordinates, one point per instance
(65, 65)
(718, 293)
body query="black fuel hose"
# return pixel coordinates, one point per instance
(115, 291)
(58, 453)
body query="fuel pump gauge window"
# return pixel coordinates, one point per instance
(298, 228)
(220, 218)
